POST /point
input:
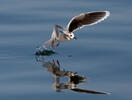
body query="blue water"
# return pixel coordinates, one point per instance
(102, 53)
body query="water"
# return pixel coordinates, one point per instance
(102, 53)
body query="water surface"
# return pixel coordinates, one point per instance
(102, 53)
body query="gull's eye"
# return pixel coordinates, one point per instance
(70, 35)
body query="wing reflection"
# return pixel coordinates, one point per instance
(73, 79)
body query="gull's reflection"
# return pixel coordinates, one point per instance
(73, 79)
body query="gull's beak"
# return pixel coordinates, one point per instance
(75, 38)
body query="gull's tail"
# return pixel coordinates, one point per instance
(47, 43)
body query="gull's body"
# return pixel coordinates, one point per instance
(61, 34)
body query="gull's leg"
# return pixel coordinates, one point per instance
(53, 44)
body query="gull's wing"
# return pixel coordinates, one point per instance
(54, 36)
(84, 19)
(57, 31)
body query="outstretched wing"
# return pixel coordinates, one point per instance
(57, 31)
(86, 19)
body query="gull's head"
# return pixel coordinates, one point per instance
(71, 35)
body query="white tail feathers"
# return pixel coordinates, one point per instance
(47, 43)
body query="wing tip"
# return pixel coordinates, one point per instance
(107, 14)
(108, 93)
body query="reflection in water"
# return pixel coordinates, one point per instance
(73, 79)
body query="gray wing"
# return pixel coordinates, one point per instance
(55, 36)
(56, 32)
(86, 19)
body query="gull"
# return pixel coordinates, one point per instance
(61, 34)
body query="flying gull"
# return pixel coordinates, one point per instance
(61, 34)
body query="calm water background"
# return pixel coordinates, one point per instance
(103, 52)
